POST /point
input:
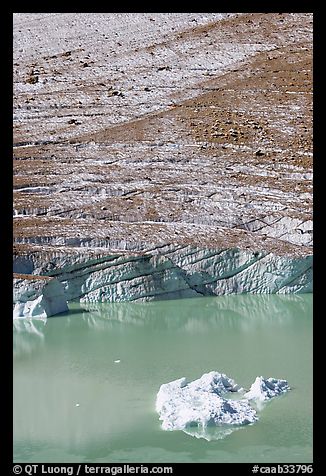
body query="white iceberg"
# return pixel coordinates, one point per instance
(266, 388)
(200, 403)
(201, 408)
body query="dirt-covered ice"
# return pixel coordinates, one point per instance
(136, 131)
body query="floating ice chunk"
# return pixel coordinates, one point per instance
(77, 405)
(117, 361)
(266, 388)
(201, 408)
(193, 407)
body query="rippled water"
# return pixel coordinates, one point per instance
(85, 383)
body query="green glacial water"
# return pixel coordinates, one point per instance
(74, 403)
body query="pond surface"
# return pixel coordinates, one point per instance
(85, 382)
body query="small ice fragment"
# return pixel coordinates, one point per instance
(77, 404)
(266, 388)
(117, 361)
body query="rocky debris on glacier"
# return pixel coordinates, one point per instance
(196, 133)
(202, 408)
(38, 297)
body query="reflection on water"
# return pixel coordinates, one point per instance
(193, 315)
(28, 335)
(73, 400)
(244, 312)
(211, 433)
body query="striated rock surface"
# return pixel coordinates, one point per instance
(163, 155)
(38, 297)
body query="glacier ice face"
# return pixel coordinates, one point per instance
(166, 272)
(201, 408)
(266, 388)
(34, 308)
(38, 298)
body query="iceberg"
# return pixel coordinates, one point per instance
(212, 406)
(266, 388)
(200, 403)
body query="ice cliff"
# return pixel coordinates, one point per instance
(168, 271)
(38, 297)
(202, 408)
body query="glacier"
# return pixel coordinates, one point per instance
(168, 190)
